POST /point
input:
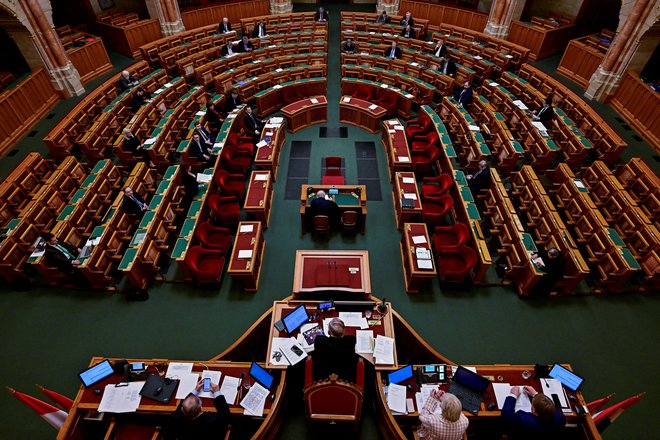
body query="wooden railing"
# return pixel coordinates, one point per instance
(541, 42)
(128, 38)
(439, 14)
(195, 18)
(580, 61)
(90, 60)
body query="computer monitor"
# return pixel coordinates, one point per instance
(325, 305)
(263, 377)
(333, 191)
(471, 380)
(96, 373)
(354, 306)
(295, 319)
(567, 378)
(400, 375)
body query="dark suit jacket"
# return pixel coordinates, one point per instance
(334, 355)
(465, 96)
(255, 31)
(197, 151)
(412, 33)
(346, 48)
(545, 115)
(124, 83)
(323, 207)
(524, 425)
(242, 47)
(207, 426)
(252, 123)
(443, 51)
(230, 103)
(222, 29)
(58, 259)
(388, 51)
(204, 131)
(224, 51)
(214, 118)
(137, 101)
(405, 22)
(451, 67)
(381, 19)
(318, 17)
(129, 204)
(131, 144)
(480, 180)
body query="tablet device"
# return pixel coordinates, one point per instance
(259, 374)
(567, 378)
(96, 373)
(400, 375)
(295, 319)
(333, 191)
(325, 305)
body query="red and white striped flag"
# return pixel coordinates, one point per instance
(62, 401)
(54, 416)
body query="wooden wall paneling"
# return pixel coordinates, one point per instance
(90, 60)
(127, 39)
(579, 62)
(542, 42)
(439, 14)
(234, 11)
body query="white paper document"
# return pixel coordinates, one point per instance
(518, 103)
(276, 356)
(373, 107)
(384, 350)
(541, 128)
(215, 378)
(200, 113)
(187, 383)
(293, 351)
(150, 141)
(245, 253)
(261, 177)
(493, 84)
(502, 390)
(474, 128)
(579, 183)
(424, 264)
(553, 386)
(254, 400)
(277, 86)
(347, 100)
(176, 370)
(314, 101)
(351, 319)
(423, 253)
(204, 178)
(424, 395)
(419, 239)
(403, 159)
(229, 388)
(246, 228)
(408, 179)
(396, 398)
(261, 144)
(364, 343)
(411, 196)
(121, 399)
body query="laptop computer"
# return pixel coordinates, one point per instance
(469, 387)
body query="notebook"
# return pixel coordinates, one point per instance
(159, 388)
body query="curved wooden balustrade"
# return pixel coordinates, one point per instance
(442, 14)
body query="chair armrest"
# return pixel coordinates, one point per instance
(234, 176)
(308, 371)
(359, 374)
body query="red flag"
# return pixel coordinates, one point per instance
(598, 404)
(606, 417)
(62, 401)
(54, 416)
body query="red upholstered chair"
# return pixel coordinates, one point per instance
(205, 265)
(213, 237)
(420, 142)
(332, 174)
(333, 400)
(243, 144)
(291, 95)
(455, 265)
(230, 184)
(423, 161)
(450, 237)
(225, 209)
(363, 91)
(234, 161)
(389, 101)
(434, 209)
(436, 186)
(419, 126)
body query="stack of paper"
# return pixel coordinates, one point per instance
(204, 178)
(553, 386)
(255, 400)
(176, 370)
(518, 103)
(424, 395)
(502, 390)
(215, 377)
(353, 319)
(229, 388)
(396, 398)
(384, 350)
(246, 228)
(261, 144)
(291, 351)
(365, 341)
(408, 179)
(121, 399)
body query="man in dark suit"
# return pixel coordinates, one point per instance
(334, 354)
(245, 45)
(214, 118)
(552, 263)
(383, 18)
(126, 80)
(189, 421)
(545, 113)
(407, 20)
(408, 32)
(322, 205)
(139, 98)
(465, 96)
(481, 179)
(393, 51)
(321, 15)
(545, 422)
(133, 204)
(204, 135)
(252, 123)
(224, 26)
(440, 49)
(131, 143)
(232, 101)
(228, 50)
(259, 30)
(198, 150)
(348, 46)
(61, 255)
(448, 67)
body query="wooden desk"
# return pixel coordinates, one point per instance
(402, 187)
(343, 271)
(360, 113)
(268, 156)
(348, 86)
(384, 327)
(306, 112)
(247, 270)
(350, 198)
(270, 100)
(259, 196)
(412, 274)
(393, 137)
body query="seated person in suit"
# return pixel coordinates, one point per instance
(465, 95)
(139, 98)
(253, 124)
(552, 263)
(440, 49)
(259, 30)
(61, 255)
(383, 18)
(214, 118)
(190, 422)
(199, 150)
(190, 184)
(334, 354)
(481, 179)
(323, 205)
(126, 80)
(348, 46)
(392, 51)
(224, 26)
(321, 15)
(133, 204)
(545, 422)
(408, 32)
(545, 113)
(449, 424)
(133, 144)
(448, 67)
(407, 20)
(232, 101)
(204, 135)
(228, 50)
(245, 45)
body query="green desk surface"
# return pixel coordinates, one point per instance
(195, 207)
(484, 149)
(466, 194)
(459, 177)
(616, 239)
(12, 224)
(183, 145)
(129, 256)
(517, 147)
(88, 181)
(97, 232)
(479, 138)
(155, 202)
(180, 247)
(138, 238)
(559, 112)
(445, 140)
(551, 144)
(482, 98)
(147, 219)
(171, 171)
(201, 191)
(450, 151)
(109, 215)
(77, 196)
(585, 142)
(341, 199)
(162, 188)
(187, 228)
(473, 212)
(528, 241)
(499, 116)
(99, 166)
(630, 259)
(156, 132)
(68, 209)
(580, 185)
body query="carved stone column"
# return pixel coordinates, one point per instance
(168, 14)
(64, 76)
(634, 20)
(281, 6)
(502, 13)
(391, 6)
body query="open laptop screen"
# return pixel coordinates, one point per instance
(567, 378)
(400, 375)
(260, 375)
(471, 380)
(295, 319)
(96, 373)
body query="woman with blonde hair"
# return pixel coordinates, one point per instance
(448, 424)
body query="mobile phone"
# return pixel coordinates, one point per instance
(137, 366)
(206, 387)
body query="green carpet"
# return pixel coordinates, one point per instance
(49, 335)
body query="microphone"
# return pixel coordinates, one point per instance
(382, 307)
